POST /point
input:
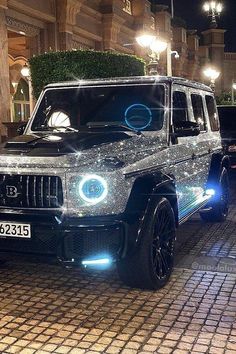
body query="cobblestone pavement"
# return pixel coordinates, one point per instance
(45, 308)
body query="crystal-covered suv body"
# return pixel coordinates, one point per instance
(107, 170)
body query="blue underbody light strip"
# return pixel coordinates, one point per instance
(96, 261)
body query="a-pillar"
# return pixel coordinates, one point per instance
(4, 68)
(214, 40)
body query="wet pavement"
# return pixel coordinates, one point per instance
(45, 308)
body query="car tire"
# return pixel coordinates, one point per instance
(218, 209)
(151, 264)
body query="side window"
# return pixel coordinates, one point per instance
(180, 107)
(212, 112)
(198, 111)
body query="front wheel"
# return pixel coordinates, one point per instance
(152, 262)
(219, 206)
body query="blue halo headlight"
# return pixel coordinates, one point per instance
(93, 189)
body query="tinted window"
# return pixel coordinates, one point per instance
(227, 117)
(139, 107)
(180, 107)
(212, 112)
(198, 111)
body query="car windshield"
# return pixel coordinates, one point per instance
(227, 117)
(137, 107)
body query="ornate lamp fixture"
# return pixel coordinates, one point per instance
(213, 10)
(212, 74)
(156, 46)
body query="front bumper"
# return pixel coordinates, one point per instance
(69, 239)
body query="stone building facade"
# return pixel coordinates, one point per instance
(31, 27)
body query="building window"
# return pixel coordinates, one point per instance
(21, 102)
(127, 7)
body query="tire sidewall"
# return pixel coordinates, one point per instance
(147, 233)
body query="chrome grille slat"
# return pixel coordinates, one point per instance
(35, 191)
(41, 190)
(27, 191)
(49, 191)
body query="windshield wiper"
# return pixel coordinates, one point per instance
(110, 125)
(58, 129)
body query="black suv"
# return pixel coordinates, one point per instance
(107, 170)
(227, 115)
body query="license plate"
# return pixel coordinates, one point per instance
(8, 229)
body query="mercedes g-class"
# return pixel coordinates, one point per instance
(106, 170)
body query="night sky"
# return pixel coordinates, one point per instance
(191, 11)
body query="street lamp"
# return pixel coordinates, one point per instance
(25, 72)
(233, 88)
(156, 46)
(212, 74)
(213, 10)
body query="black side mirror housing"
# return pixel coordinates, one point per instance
(21, 129)
(186, 128)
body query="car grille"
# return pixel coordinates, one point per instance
(30, 191)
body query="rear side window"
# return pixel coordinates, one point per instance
(180, 107)
(212, 112)
(198, 111)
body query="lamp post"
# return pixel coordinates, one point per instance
(212, 74)
(156, 47)
(213, 10)
(25, 72)
(232, 90)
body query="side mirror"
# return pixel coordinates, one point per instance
(21, 129)
(186, 128)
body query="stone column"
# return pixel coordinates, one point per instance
(67, 11)
(193, 57)
(214, 40)
(4, 69)
(112, 21)
(180, 45)
(163, 20)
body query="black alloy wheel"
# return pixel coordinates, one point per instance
(151, 264)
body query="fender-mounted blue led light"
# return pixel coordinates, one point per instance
(210, 192)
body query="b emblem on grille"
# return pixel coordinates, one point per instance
(11, 192)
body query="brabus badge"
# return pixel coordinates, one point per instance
(12, 192)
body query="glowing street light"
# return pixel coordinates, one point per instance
(156, 46)
(233, 88)
(213, 10)
(145, 40)
(212, 74)
(25, 71)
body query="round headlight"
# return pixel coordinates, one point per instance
(93, 189)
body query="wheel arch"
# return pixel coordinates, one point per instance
(218, 162)
(149, 185)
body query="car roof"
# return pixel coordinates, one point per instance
(132, 80)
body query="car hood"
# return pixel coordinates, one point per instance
(64, 150)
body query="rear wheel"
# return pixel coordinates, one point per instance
(218, 209)
(151, 265)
